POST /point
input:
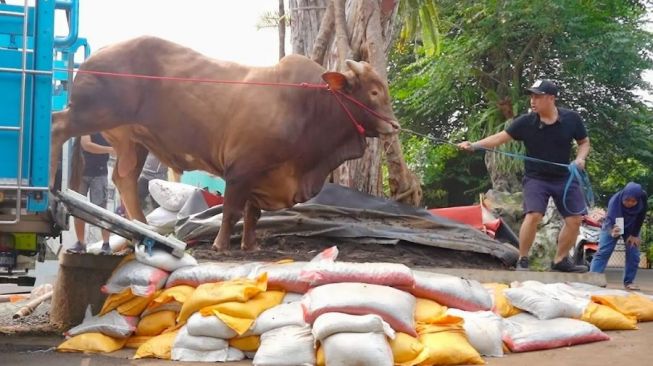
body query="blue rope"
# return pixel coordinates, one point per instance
(574, 172)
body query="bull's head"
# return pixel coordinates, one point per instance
(364, 85)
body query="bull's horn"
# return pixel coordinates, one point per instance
(356, 67)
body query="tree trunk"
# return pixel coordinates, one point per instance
(364, 30)
(306, 16)
(502, 180)
(282, 30)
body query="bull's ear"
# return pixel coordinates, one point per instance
(336, 80)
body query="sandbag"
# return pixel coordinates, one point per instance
(136, 341)
(157, 347)
(394, 306)
(484, 331)
(136, 305)
(143, 279)
(633, 305)
(428, 311)
(112, 324)
(156, 323)
(92, 343)
(292, 297)
(198, 343)
(209, 326)
(283, 276)
(222, 355)
(407, 350)
(209, 294)
(169, 299)
(116, 243)
(279, 316)
(607, 318)
(331, 323)
(286, 346)
(446, 343)
(387, 274)
(246, 344)
(170, 195)
(500, 303)
(240, 316)
(360, 349)
(114, 300)
(209, 273)
(450, 291)
(546, 303)
(162, 220)
(524, 332)
(162, 259)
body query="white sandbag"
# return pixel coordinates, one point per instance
(291, 297)
(360, 349)
(279, 316)
(198, 343)
(249, 355)
(222, 355)
(451, 291)
(209, 272)
(162, 259)
(331, 323)
(484, 331)
(170, 195)
(587, 290)
(144, 280)
(111, 324)
(524, 332)
(116, 242)
(208, 326)
(387, 274)
(283, 276)
(162, 220)
(394, 306)
(546, 303)
(286, 346)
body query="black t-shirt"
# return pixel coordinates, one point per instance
(547, 142)
(95, 165)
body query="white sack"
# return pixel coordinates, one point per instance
(360, 349)
(170, 195)
(388, 274)
(283, 276)
(162, 259)
(209, 272)
(329, 324)
(144, 280)
(162, 220)
(208, 326)
(117, 243)
(111, 324)
(451, 291)
(546, 303)
(279, 316)
(484, 331)
(286, 346)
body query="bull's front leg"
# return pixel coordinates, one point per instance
(232, 211)
(252, 214)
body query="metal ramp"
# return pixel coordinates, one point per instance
(79, 206)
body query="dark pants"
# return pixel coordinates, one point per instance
(538, 191)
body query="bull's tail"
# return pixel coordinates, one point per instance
(76, 166)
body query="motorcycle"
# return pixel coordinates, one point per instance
(587, 242)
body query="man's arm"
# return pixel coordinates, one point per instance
(93, 148)
(583, 151)
(489, 142)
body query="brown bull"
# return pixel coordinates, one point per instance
(274, 145)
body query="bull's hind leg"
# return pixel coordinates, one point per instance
(235, 197)
(129, 164)
(252, 214)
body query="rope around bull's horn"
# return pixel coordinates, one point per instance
(575, 173)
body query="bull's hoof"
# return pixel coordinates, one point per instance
(220, 249)
(250, 248)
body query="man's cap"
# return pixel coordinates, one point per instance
(542, 87)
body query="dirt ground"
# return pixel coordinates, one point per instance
(304, 249)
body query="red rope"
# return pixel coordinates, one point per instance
(336, 93)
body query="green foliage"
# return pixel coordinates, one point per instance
(490, 50)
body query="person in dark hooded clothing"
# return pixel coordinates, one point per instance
(628, 205)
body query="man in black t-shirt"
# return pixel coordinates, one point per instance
(94, 183)
(547, 133)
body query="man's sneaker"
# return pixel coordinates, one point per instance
(566, 265)
(522, 264)
(106, 249)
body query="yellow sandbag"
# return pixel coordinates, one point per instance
(502, 306)
(407, 350)
(208, 294)
(157, 347)
(114, 300)
(319, 357)
(427, 310)
(606, 318)
(240, 316)
(155, 323)
(178, 293)
(92, 342)
(246, 344)
(136, 341)
(136, 305)
(633, 305)
(446, 343)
